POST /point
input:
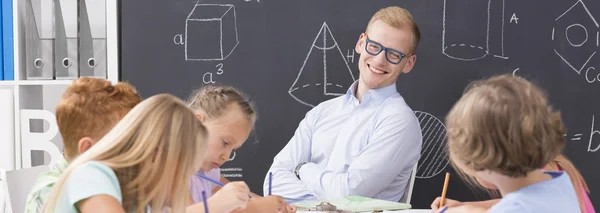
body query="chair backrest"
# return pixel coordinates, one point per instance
(409, 187)
(3, 193)
(19, 184)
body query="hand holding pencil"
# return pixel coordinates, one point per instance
(443, 204)
(435, 205)
(438, 203)
(233, 196)
(445, 189)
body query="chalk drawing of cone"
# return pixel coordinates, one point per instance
(325, 72)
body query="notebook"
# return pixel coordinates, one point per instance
(357, 204)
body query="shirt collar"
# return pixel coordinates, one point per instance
(50, 177)
(61, 164)
(377, 95)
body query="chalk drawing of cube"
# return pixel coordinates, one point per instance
(210, 32)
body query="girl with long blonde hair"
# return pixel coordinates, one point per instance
(144, 163)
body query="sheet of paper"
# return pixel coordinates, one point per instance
(398, 211)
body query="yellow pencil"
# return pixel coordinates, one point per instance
(445, 189)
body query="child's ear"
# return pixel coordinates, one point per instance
(200, 117)
(85, 144)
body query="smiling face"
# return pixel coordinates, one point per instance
(226, 134)
(375, 70)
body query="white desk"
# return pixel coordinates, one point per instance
(400, 211)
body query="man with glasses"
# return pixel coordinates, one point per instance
(365, 142)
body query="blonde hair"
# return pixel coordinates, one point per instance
(90, 107)
(153, 150)
(564, 164)
(504, 124)
(399, 18)
(213, 100)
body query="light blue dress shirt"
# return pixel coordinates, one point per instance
(555, 195)
(366, 149)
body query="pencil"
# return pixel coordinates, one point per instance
(204, 200)
(213, 181)
(209, 179)
(445, 189)
(270, 179)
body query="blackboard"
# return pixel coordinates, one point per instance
(260, 47)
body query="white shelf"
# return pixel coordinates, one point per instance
(31, 94)
(44, 82)
(6, 83)
(35, 82)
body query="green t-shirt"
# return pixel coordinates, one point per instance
(43, 185)
(89, 179)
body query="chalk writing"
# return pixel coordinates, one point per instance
(207, 78)
(514, 73)
(232, 172)
(350, 56)
(593, 143)
(233, 175)
(220, 69)
(178, 39)
(574, 137)
(593, 146)
(589, 75)
(514, 18)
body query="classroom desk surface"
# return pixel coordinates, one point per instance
(399, 211)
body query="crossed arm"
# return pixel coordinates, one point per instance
(394, 145)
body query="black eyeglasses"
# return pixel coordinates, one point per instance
(392, 55)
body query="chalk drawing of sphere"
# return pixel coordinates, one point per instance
(434, 157)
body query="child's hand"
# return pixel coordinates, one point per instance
(275, 204)
(233, 196)
(292, 208)
(447, 202)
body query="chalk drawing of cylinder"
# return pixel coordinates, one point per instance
(465, 31)
(210, 32)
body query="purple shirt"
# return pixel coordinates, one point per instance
(197, 184)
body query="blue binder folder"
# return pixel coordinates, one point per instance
(7, 61)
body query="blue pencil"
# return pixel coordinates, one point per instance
(209, 179)
(270, 179)
(213, 181)
(204, 200)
